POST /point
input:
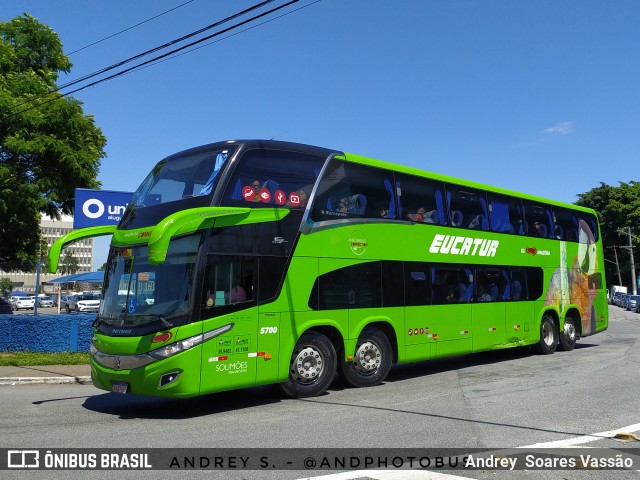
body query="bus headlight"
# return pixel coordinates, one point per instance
(182, 345)
(177, 347)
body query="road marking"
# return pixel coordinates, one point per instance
(570, 442)
(427, 475)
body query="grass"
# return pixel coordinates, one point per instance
(24, 359)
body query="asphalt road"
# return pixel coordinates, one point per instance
(492, 400)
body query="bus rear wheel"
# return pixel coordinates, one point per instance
(312, 367)
(548, 336)
(569, 335)
(371, 360)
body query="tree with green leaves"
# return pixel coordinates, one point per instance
(48, 145)
(6, 286)
(618, 210)
(68, 264)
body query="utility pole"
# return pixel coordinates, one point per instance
(615, 252)
(634, 286)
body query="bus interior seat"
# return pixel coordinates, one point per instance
(358, 204)
(559, 232)
(431, 217)
(456, 218)
(476, 221)
(493, 292)
(542, 230)
(516, 288)
(507, 289)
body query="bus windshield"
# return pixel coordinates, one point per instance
(138, 293)
(190, 174)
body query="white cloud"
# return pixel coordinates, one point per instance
(563, 128)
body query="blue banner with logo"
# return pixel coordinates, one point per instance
(99, 207)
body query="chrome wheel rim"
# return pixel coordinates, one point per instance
(547, 334)
(368, 358)
(570, 331)
(307, 365)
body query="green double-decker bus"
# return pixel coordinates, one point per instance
(244, 263)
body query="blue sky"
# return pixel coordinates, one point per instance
(539, 97)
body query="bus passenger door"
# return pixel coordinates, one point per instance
(229, 360)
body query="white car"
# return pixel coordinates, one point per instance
(83, 303)
(19, 303)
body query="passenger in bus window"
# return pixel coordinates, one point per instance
(423, 216)
(540, 229)
(483, 296)
(255, 196)
(450, 296)
(236, 295)
(418, 216)
(299, 198)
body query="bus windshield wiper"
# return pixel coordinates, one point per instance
(165, 322)
(156, 316)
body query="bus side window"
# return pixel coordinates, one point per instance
(538, 220)
(566, 225)
(467, 208)
(350, 190)
(229, 280)
(505, 214)
(587, 228)
(420, 200)
(526, 283)
(518, 284)
(418, 285)
(451, 284)
(488, 287)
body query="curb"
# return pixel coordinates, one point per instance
(82, 380)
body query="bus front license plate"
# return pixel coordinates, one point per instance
(119, 387)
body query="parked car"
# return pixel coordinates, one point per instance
(631, 302)
(83, 303)
(618, 299)
(64, 301)
(45, 301)
(20, 303)
(5, 306)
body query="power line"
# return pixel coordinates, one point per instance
(135, 67)
(130, 28)
(138, 56)
(221, 39)
(163, 46)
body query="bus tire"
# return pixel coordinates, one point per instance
(548, 336)
(371, 360)
(312, 367)
(569, 335)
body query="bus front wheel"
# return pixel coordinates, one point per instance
(548, 336)
(569, 335)
(312, 367)
(371, 360)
